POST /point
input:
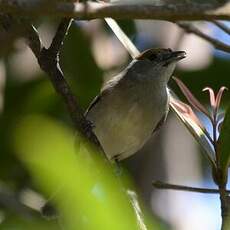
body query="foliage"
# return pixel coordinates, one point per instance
(39, 151)
(87, 193)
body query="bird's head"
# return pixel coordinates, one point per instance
(161, 56)
(163, 60)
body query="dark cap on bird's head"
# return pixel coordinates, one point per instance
(161, 55)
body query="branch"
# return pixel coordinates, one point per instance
(224, 197)
(225, 207)
(10, 30)
(60, 35)
(162, 185)
(216, 43)
(119, 10)
(222, 26)
(48, 60)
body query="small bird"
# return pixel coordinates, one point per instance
(133, 104)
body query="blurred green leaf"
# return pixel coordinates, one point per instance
(16, 223)
(89, 195)
(224, 142)
(21, 99)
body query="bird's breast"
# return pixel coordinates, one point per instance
(125, 120)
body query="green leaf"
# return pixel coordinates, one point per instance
(18, 223)
(224, 142)
(20, 99)
(87, 193)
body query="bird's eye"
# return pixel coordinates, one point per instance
(152, 57)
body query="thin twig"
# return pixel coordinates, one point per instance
(162, 185)
(118, 10)
(222, 26)
(33, 39)
(61, 32)
(216, 43)
(48, 59)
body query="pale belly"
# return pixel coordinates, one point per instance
(122, 130)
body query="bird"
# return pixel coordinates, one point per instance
(134, 104)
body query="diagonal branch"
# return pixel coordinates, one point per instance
(162, 185)
(48, 59)
(222, 26)
(216, 43)
(60, 35)
(119, 10)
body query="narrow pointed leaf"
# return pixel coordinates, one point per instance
(212, 102)
(182, 111)
(224, 142)
(220, 126)
(187, 112)
(190, 116)
(211, 97)
(219, 121)
(220, 117)
(219, 96)
(191, 98)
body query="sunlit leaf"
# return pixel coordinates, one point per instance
(224, 141)
(191, 98)
(91, 196)
(211, 97)
(220, 117)
(219, 96)
(32, 96)
(17, 223)
(219, 120)
(184, 113)
(187, 112)
(136, 206)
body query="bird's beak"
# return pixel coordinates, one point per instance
(176, 56)
(173, 56)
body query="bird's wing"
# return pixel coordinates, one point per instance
(160, 123)
(104, 91)
(94, 101)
